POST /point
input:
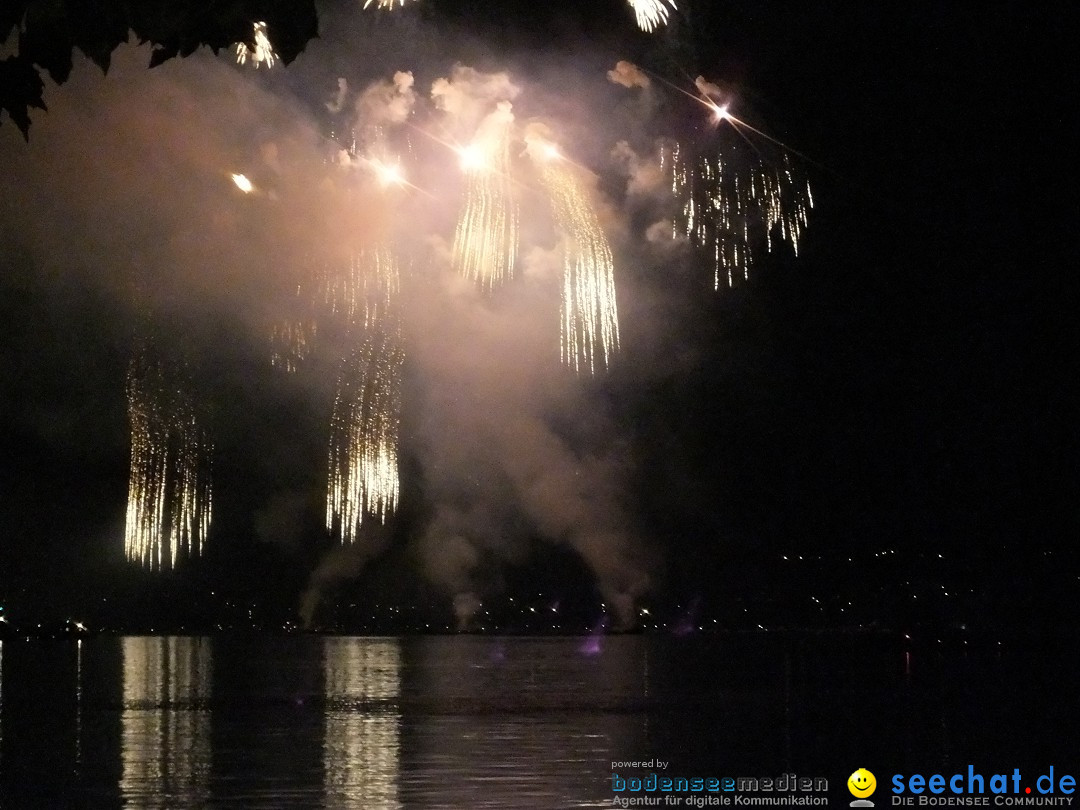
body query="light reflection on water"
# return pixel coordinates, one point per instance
(361, 748)
(322, 722)
(249, 722)
(165, 721)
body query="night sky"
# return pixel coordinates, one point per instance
(906, 383)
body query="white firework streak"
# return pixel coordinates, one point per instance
(263, 53)
(486, 240)
(588, 313)
(169, 491)
(389, 4)
(364, 435)
(731, 204)
(291, 343)
(363, 463)
(364, 292)
(651, 13)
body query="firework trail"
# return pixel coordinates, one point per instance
(363, 475)
(364, 434)
(263, 53)
(291, 343)
(292, 338)
(385, 3)
(169, 491)
(588, 314)
(486, 240)
(364, 292)
(651, 14)
(732, 202)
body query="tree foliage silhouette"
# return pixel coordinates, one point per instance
(49, 31)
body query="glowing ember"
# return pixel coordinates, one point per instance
(263, 53)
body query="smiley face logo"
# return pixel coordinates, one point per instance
(861, 783)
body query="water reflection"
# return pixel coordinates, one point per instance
(165, 721)
(495, 723)
(362, 741)
(309, 722)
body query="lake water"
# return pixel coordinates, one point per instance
(477, 722)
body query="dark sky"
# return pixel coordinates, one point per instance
(907, 382)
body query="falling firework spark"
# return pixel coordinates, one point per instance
(363, 464)
(364, 435)
(359, 292)
(292, 338)
(169, 493)
(363, 292)
(651, 14)
(485, 244)
(291, 344)
(263, 53)
(385, 3)
(589, 316)
(732, 202)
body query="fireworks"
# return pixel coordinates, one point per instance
(359, 291)
(292, 338)
(291, 343)
(384, 3)
(589, 317)
(364, 435)
(732, 202)
(363, 292)
(651, 14)
(169, 494)
(263, 53)
(367, 409)
(388, 174)
(486, 241)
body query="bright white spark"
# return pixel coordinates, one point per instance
(486, 240)
(384, 3)
(388, 174)
(472, 158)
(263, 53)
(651, 13)
(243, 183)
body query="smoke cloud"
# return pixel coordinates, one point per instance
(515, 453)
(336, 567)
(708, 89)
(628, 75)
(645, 178)
(338, 103)
(387, 102)
(468, 95)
